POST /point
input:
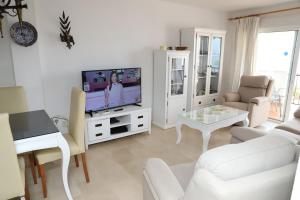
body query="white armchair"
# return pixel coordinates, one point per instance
(261, 169)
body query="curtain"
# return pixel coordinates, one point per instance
(244, 41)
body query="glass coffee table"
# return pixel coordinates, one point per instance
(209, 119)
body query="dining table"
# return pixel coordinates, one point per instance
(34, 130)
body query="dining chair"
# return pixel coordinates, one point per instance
(13, 100)
(75, 139)
(12, 168)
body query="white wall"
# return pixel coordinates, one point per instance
(7, 77)
(285, 19)
(21, 65)
(115, 33)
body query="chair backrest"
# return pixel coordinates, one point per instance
(255, 86)
(13, 100)
(11, 184)
(77, 117)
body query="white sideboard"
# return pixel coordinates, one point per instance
(131, 120)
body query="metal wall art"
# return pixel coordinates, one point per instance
(65, 31)
(6, 7)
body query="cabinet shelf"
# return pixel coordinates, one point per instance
(176, 83)
(177, 69)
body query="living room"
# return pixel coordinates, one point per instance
(196, 77)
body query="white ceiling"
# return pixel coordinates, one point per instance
(232, 5)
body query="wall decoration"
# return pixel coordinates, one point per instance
(6, 7)
(65, 31)
(23, 34)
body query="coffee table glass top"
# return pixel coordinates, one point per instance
(212, 114)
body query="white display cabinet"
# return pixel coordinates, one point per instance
(170, 86)
(104, 126)
(205, 66)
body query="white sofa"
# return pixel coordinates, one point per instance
(259, 169)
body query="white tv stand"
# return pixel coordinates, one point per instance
(131, 120)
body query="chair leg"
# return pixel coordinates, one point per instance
(76, 160)
(31, 161)
(43, 176)
(39, 171)
(27, 194)
(86, 173)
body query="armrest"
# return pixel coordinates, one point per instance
(260, 100)
(232, 97)
(161, 180)
(297, 113)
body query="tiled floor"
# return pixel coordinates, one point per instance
(116, 167)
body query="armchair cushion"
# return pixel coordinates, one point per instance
(238, 105)
(297, 113)
(248, 93)
(259, 100)
(232, 97)
(161, 180)
(254, 156)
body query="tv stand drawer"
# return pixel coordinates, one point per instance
(99, 129)
(140, 120)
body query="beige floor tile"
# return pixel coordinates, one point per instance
(116, 167)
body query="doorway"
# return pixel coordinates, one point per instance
(276, 56)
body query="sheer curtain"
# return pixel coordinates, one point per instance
(242, 56)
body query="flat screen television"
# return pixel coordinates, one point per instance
(111, 88)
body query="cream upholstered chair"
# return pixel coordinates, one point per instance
(254, 95)
(260, 169)
(12, 168)
(13, 100)
(75, 138)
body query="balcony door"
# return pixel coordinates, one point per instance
(277, 57)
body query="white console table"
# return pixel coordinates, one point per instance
(131, 120)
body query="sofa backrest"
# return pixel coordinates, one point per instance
(254, 156)
(254, 86)
(260, 169)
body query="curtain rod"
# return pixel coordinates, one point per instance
(265, 13)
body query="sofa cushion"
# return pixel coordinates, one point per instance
(247, 93)
(238, 105)
(184, 173)
(254, 81)
(292, 126)
(245, 133)
(251, 157)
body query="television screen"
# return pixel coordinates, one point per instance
(111, 88)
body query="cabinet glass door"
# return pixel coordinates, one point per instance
(216, 46)
(202, 64)
(177, 75)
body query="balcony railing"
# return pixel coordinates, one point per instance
(296, 91)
